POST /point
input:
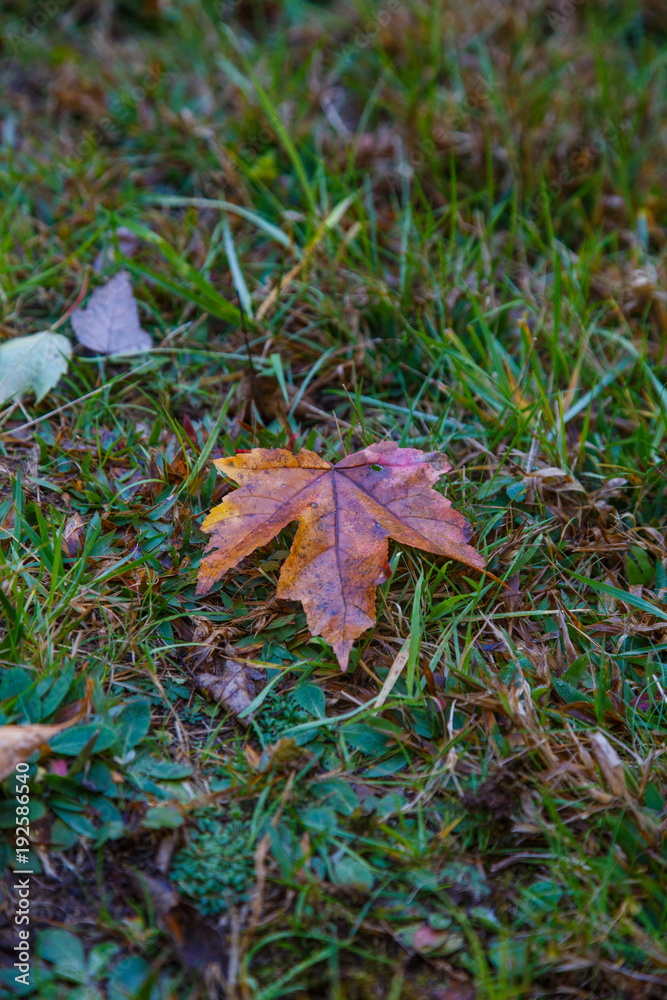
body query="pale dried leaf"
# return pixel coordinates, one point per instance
(394, 672)
(571, 653)
(33, 364)
(612, 488)
(553, 478)
(18, 742)
(110, 323)
(609, 763)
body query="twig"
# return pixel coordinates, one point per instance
(66, 315)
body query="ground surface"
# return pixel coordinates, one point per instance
(494, 287)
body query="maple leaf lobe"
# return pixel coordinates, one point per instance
(346, 513)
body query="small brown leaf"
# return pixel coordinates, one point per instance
(72, 538)
(197, 944)
(237, 685)
(165, 852)
(496, 795)
(252, 757)
(282, 755)
(609, 763)
(426, 941)
(554, 479)
(17, 743)
(110, 323)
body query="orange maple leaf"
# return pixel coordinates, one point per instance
(346, 514)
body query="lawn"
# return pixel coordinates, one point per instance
(344, 223)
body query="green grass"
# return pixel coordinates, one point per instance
(460, 213)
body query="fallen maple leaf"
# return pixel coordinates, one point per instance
(110, 323)
(346, 514)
